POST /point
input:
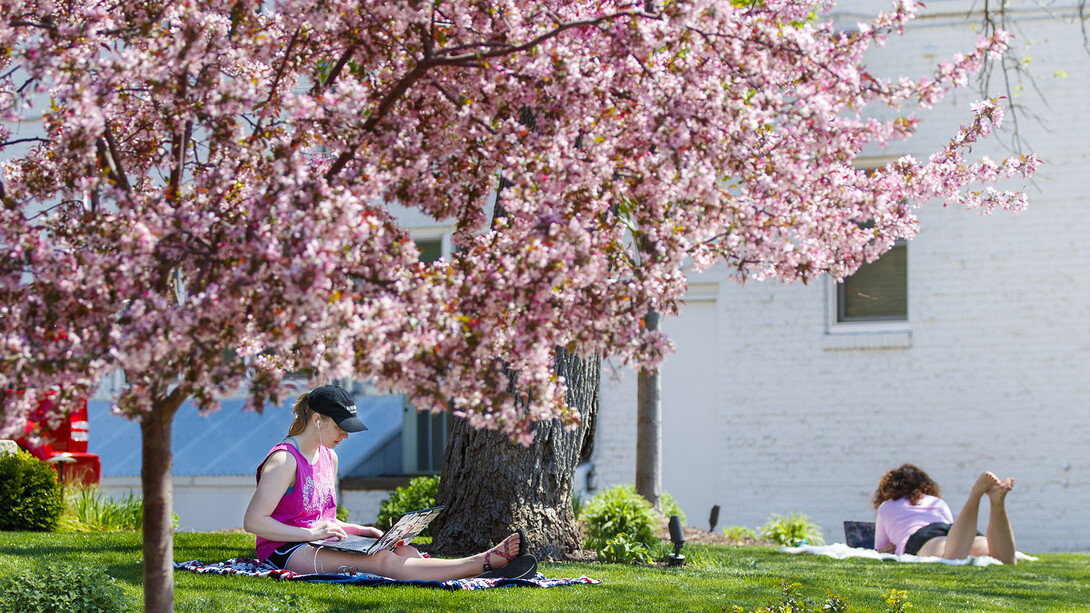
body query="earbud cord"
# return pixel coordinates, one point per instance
(319, 423)
(317, 548)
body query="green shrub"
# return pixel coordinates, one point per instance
(88, 509)
(419, 494)
(30, 497)
(53, 587)
(670, 507)
(577, 505)
(740, 534)
(792, 530)
(623, 549)
(618, 510)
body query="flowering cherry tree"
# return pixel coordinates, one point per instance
(206, 207)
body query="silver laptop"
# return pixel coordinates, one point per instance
(401, 533)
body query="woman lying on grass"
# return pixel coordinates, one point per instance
(296, 502)
(913, 519)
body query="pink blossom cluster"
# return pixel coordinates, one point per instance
(207, 209)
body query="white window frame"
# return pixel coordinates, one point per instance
(874, 334)
(411, 420)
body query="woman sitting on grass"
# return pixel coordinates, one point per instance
(296, 502)
(913, 519)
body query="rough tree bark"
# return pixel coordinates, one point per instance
(492, 487)
(155, 478)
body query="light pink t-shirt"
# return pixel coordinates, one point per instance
(312, 498)
(899, 519)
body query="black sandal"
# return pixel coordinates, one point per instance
(522, 567)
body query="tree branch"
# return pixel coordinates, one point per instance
(508, 49)
(116, 155)
(280, 70)
(47, 210)
(441, 59)
(334, 72)
(179, 144)
(384, 107)
(25, 85)
(15, 23)
(24, 140)
(94, 201)
(457, 103)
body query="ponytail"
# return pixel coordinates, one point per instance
(302, 415)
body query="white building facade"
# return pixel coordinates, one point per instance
(772, 405)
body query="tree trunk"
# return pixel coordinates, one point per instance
(649, 428)
(492, 487)
(155, 478)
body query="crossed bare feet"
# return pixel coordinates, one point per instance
(996, 489)
(998, 492)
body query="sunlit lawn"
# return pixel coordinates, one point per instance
(716, 579)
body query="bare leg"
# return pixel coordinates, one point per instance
(408, 551)
(309, 559)
(1000, 534)
(963, 532)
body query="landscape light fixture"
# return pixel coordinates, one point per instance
(676, 535)
(59, 461)
(713, 519)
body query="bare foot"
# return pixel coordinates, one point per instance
(501, 554)
(999, 491)
(984, 483)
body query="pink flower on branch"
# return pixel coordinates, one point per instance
(208, 207)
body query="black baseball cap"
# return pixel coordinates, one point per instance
(333, 401)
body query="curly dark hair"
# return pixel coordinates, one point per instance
(908, 481)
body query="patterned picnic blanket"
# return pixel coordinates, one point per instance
(248, 567)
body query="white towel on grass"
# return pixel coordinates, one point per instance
(841, 551)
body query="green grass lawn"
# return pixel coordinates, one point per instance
(716, 579)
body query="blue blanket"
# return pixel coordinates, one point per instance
(247, 567)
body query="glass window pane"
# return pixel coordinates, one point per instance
(438, 441)
(877, 291)
(423, 461)
(430, 249)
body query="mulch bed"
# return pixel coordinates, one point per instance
(693, 536)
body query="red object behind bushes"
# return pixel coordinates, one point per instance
(69, 439)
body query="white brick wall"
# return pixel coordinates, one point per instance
(993, 374)
(204, 503)
(363, 505)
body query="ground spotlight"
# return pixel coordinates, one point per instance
(678, 537)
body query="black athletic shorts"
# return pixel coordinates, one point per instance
(928, 532)
(279, 556)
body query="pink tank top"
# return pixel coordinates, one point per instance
(311, 499)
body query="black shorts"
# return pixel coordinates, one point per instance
(279, 556)
(928, 532)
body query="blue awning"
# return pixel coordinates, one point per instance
(232, 441)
